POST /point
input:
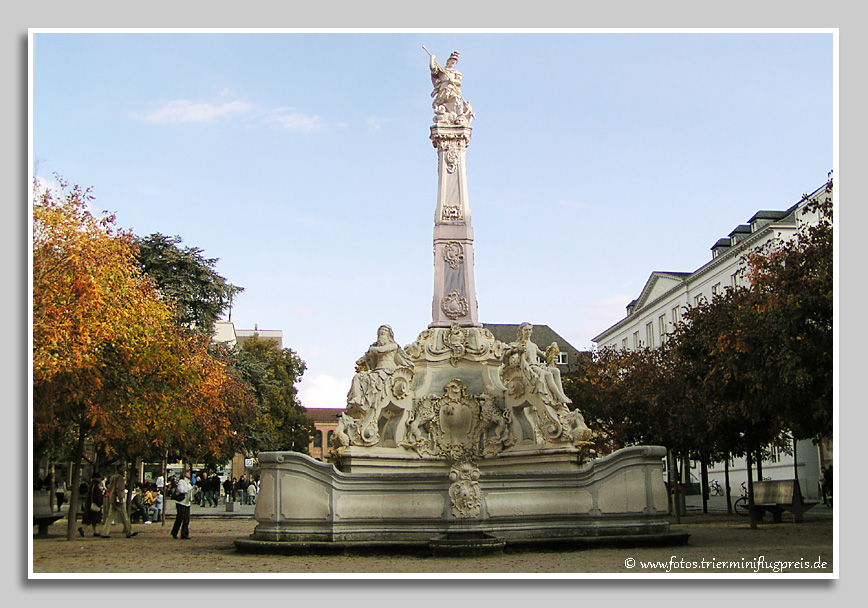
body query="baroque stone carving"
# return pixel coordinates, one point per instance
(452, 425)
(536, 387)
(541, 378)
(449, 105)
(452, 213)
(455, 343)
(383, 374)
(464, 491)
(454, 305)
(453, 253)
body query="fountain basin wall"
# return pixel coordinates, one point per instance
(302, 500)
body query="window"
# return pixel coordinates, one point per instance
(636, 339)
(329, 438)
(317, 439)
(697, 300)
(649, 334)
(661, 322)
(734, 279)
(715, 289)
(562, 358)
(624, 344)
(675, 316)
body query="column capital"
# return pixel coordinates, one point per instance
(443, 135)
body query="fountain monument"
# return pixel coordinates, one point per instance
(458, 441)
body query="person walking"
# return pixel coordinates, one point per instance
(252, 490)
(60, 492)
(214, 481)
(228, 490)
(91, 514)
(116, 492)
(182, 507)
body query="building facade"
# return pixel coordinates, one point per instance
(325, 420)
(653, 315)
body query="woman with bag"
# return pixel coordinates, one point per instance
(182, 506)
(93, 499)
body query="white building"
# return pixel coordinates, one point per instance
(224, 331)
(659, 307)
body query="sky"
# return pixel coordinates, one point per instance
(303, 162)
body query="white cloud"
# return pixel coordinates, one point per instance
(296, 122)
(375, 123)
(323, 391)
(184, 110)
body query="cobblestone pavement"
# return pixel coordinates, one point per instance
(719, 543)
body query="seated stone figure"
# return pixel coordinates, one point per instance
(542, 378)
(370, 385)
(371, 390)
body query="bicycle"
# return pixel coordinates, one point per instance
(741, 505)
(714, 488)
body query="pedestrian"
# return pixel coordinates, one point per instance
(251, 492)
(241, 486)
(826, 486)
(91, 515)
(228, 488)
(116, 493)
(200, 484)
(182, 507)
(60, 492)
(215, 488)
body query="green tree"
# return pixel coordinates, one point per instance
(187, 279)
(282, 423)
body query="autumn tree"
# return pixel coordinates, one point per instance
(99, 351)
(792, 283)
(113, 367)
(219, 407)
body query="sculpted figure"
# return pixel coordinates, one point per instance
(370, 385)
(541, 378)
(449, 105)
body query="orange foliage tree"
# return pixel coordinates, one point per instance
(110, 365)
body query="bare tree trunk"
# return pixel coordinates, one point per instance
(76, 481)
(728, 486)
(703, 468)
(759, 464)
(165, 473)
(751, 513)
(795, 461)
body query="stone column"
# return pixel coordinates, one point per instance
(454, 285)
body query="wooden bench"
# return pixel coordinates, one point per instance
(43, 515)
(778, 496)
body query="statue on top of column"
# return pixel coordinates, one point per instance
(449, 106)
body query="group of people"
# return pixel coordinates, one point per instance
(103, 500)
(208, 490)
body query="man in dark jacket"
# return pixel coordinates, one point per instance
(228, 489)
(214, 489)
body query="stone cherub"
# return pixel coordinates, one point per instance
(449, 104)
